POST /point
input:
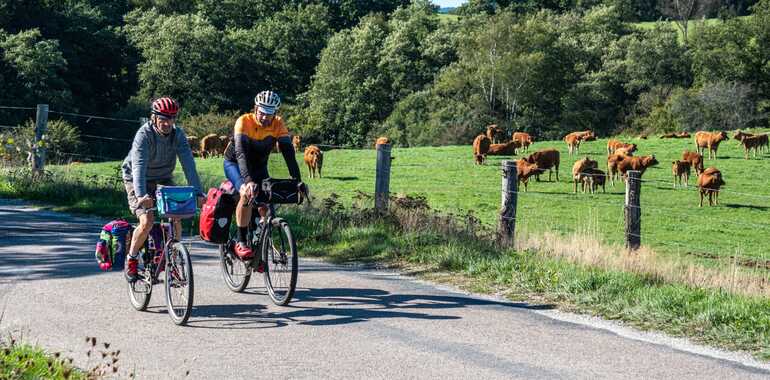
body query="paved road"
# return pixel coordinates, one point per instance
(345, 322)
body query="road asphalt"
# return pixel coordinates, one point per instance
(346, 322)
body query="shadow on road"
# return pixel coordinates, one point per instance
(41, 245)
(337, 306)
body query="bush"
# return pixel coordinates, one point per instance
(61, 141)
(717, 105)
(212, 122)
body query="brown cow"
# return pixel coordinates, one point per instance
(224, 140)
(314, 160)
(709, 140)
(495, 134)
(525, 170)
(524, 139)
(481, 146)
(681, 171)
(592, 178)
(194, 143)
(709, 183)
(613, 145)
(296, 142)
(380, 141)
(578, 171)
(211, 145)
(612, 165)
(675, 135)
(507, 149)
(573, 140)
(739, 135)
(752, 142)
(623, 152)
(640, 163)
(546, 159)
(695, 160)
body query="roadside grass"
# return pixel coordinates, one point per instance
(459, 249)
(448, 252)
(27, 362)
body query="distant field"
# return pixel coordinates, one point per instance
(445, 17)
(693, 26)
(672, 222)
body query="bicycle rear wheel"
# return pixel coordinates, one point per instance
(279, 252)
(179, 283)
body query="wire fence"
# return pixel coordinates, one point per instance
(546, 206)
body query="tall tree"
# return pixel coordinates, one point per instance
(349, 94)
(182, 57)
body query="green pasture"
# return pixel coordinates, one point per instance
(672, 222)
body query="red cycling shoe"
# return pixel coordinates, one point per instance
(132, 274)
(243, 251)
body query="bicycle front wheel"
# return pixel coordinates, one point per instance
(179, 283)
(235, 273)
(140, 291)
(279, 252)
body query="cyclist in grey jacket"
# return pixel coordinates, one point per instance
(150, 163)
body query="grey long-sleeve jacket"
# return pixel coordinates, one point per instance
(153, 158)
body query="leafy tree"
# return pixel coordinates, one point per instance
(100, 65)
(648, 59)
(182, 58)
(349, 95)
(240, 14)
(722, 52)
(294, 38)
(403, 57)
(34, 66)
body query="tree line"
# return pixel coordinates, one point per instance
(350, 70)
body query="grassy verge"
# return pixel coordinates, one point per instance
(443, 249)
(27, 362)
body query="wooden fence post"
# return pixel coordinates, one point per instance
(382, 179)
(38, 148)
(507, 224)
(633, 210)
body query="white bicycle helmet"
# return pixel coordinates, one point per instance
(267, 102)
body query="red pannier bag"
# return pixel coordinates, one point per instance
(217, 214)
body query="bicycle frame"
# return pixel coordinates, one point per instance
(157, 263)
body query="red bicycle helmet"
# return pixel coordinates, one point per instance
(165, 106)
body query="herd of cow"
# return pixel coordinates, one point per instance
(620, 159)
(213, 145)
